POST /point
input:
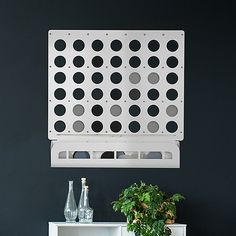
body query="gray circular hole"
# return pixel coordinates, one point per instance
(78, 126)
(153, 126)
(153, 78)
(134, 78)
(78, 110)
(172, 110)
(115, 110)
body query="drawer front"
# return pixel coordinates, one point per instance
(175, 231)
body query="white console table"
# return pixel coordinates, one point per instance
(102, 229)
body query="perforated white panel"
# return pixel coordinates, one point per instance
(116, 82)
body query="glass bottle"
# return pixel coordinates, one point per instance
(70, 210)
(86, 212)
(81, 200)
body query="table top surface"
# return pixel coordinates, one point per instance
(102, 224)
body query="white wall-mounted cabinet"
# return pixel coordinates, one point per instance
(118, 92)
(102, 229)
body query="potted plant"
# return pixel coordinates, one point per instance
(148, 209)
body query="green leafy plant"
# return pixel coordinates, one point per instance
(148, 209)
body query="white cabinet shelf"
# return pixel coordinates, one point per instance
(102, 229)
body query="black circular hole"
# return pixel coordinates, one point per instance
(134, 94)
(172, 45)
(116, 45)
(78, 94)
(97, 110)
(60, 61)
(60, 94)
(171, 94)
(107, 155)
(97, 45)
(153, 94)
(97, 61)
(134, 45)
(97, 78)
(115, 126)
(78, 45)
(78, 77)
(59, 126)
(172, 78)
(153, 45)
(116, 78)
(134, 62)
(171, 126)
(172, 62)
(153, 62)
(116, 61)
(60, 110)
(116, 94)
(97, 126)
(153, 110)
(78, 61)
(134, 126)
(60, 45)
(60, 77)
(97, 94)
(134, 110)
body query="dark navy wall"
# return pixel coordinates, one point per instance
(32, 193)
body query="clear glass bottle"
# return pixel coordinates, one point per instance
(81, 200)
(86, 212)
(70, 210)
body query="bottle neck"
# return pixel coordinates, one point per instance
(83, 183)
(70, 185)
(86, 199)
